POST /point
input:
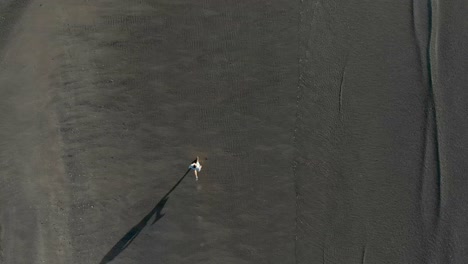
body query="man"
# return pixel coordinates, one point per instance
(196, 167)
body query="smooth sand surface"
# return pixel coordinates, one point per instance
(328, 132)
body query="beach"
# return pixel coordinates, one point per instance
(328, 132)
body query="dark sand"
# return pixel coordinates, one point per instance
(329, 132)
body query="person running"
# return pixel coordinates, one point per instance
(196, 167)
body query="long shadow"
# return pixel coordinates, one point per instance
(128, 238)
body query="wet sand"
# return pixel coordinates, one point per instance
(329, 132)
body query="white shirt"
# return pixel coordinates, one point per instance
(195, 166)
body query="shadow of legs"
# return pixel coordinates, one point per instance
(128, 238)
